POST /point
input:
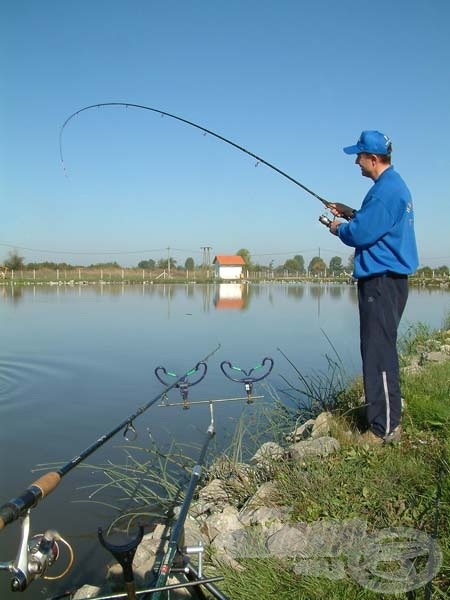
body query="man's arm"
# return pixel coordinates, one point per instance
(369, 224)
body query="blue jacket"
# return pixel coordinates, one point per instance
(382, 230)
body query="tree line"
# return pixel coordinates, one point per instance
(293, 266)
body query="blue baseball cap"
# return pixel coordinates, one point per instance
(372, 142)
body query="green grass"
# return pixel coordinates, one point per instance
(390, 486)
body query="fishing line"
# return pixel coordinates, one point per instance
(259, 159)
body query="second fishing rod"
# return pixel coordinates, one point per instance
(19, 506)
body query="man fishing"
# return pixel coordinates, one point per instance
(382, 233)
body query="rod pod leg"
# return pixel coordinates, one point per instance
(124, 554)
(193, 575)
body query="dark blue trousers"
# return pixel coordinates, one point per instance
(381, 300)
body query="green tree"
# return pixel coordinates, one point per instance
(106, 265)
(336, 265)
(300, 263)
(163, 263)
(245, 255)
(147, 264)
(291, 265)
(14, 262)
(317, 266)
(189, 264)
(425, 272)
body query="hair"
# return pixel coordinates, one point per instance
(385, 159)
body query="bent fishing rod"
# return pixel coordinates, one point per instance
(39, 489)
(341, 209)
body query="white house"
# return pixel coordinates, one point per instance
(229, 267)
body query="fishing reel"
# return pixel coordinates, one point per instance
(248, 380)
(325, 220)
(342, 210)
(35, 556)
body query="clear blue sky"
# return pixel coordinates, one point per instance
(292, 81)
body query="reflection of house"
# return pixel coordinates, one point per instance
(228, 267)
(229, 296)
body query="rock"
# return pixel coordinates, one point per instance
(322, 446)
(415, 366)
(214, 494)
(229, 545)
(300, 432)
(199, 509)
(265, 495)
(150, 544)
(226, 521)
(87, 591)
(436, 356)
(268, 518)
(289, 541)
(267, 454)
(322, 425)
(192, 532)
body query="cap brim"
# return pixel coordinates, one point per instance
(352, 150)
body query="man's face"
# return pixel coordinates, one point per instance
(367, 163)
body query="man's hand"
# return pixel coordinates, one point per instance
(334, 226)
(341, 210)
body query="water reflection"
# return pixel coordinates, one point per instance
(231, 296)
(224, 296)
(13, 293)
(295, 291)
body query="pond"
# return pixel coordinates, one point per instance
(75, 361)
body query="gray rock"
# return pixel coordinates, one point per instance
(268, 453)
(215, 494)
(272, 518)
(322, 425)
(87, 591)
(437, 356)
(228, 545)
(289, 541)
(226, 521)
(301, 431)
(319, 447)
(265, 495)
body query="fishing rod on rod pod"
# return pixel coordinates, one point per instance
(177, 533)
(176, 555)
(339, 209)
(32, 560)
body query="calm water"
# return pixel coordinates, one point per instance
(76, 361)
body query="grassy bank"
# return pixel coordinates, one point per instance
(393, 486)
(92, 275)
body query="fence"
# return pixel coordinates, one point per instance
(134, 275)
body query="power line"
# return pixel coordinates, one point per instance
(95, 252)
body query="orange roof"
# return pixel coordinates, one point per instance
(229, 260)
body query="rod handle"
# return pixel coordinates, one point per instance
(48, 482)
(40, 488)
